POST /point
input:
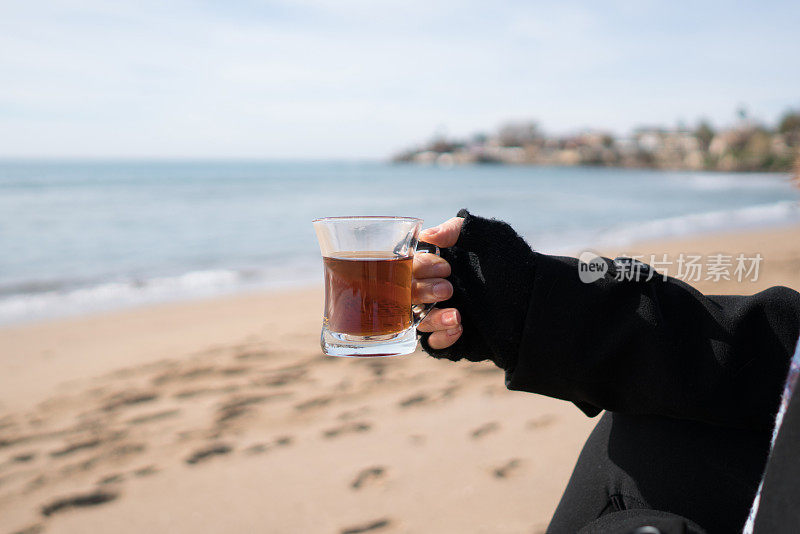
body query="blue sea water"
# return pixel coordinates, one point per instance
(77, 237)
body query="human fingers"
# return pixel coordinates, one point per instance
(430, 266)
(444, 338)
(443, 319)
(444, 235)
(430, 290)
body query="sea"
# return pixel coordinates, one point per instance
(80, 237)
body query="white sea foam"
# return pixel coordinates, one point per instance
(707, 181)
(775, 214)
(111, 295)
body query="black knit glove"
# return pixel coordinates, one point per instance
(492, 277)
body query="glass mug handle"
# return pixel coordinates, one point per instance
(421, 311)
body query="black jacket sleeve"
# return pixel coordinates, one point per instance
(655, 347)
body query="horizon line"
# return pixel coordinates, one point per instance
(187, 159)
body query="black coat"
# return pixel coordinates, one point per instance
(663, 359)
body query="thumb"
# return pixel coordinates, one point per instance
(444, 235)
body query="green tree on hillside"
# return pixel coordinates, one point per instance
(704, 134)
(789, 126)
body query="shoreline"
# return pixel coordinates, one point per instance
(216, 406)
(132, 295)
(788, 173)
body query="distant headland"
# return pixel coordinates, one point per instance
(746, 146)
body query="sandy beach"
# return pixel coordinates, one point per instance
(222, 416)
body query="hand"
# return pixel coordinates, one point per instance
(429, 285)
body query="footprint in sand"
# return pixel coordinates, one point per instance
(430, 397)
(206, 453)
(259, 448)
(542, 421)
(492, 390)
(145, 471)
(483, 369)
(329, 360)
(349, 428)
(116, 453)
(352, 414)
(128, 398)
(200, 392)
(111, 479)
(368, 476)
(284, 441)
(317, 402)
(280, 378)
(371, 526)
(19, 439)
(506, 469)
(36, 482)
(450, 390)
(378, 368)
(485, 429)
(7, 421)
(233, 371)
(414, 400)
(75, 447)
(24, 457)
(127, 449)
(33, 529)
(152, 417)
(120, 477)
(417, 439)
(80, 500)
(178, 375)
(236, 407)
(253, 355)
(9, 441)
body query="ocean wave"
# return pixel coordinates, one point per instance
(775, 214)
(726, 182)
(45, 304)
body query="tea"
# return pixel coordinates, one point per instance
(367, 293)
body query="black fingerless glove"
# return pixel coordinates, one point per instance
(492, 277)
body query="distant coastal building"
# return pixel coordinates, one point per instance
(745, 147)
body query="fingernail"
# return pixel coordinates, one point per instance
(450, 318)
(453, 331)
(431, 231)
(441, 289)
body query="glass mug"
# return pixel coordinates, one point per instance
(367, 260)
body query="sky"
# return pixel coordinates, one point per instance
(344, 79)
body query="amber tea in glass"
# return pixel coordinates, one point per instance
(367, 263)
